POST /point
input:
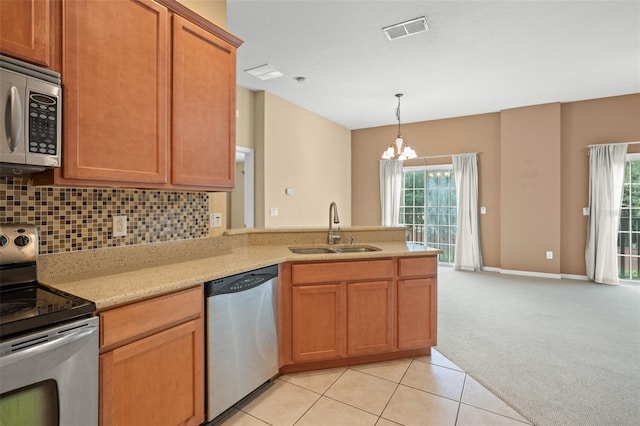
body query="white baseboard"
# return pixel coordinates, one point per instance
(531, 274)
(535, 274)
(575, 277)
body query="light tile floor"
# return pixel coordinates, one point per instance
(428, 390)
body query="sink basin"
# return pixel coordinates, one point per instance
(351, 248)
(355, 248)
(310, 250)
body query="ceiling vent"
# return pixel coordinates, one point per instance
(405, 29)
(264, 72)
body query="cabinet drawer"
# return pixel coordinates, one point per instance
(307, 273)
(149, 316)
(413, 266)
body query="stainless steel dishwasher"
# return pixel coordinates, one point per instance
(242, 338)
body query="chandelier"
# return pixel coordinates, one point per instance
(401, 151)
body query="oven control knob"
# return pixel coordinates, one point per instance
(22, 241)
(3, 241)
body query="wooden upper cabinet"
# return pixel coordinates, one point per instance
(115, 76)
(26, 30)
(203, 108)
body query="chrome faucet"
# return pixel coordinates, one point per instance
(334, 236)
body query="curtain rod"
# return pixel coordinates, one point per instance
(619, 143)
(441, 156)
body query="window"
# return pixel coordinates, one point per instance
(629, 233)
(428, 208)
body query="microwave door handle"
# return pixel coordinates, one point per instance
(13, 124)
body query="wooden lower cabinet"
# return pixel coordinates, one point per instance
(369, 318)
(417, 313)
(358, 309)
(154, 376)
(318, 322)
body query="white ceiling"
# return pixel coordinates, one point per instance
(477, 57)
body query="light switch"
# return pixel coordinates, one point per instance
(585, 211)
(483, 210)
(215, 220)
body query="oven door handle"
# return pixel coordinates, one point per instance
(50, 345)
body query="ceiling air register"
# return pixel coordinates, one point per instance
(407, 28)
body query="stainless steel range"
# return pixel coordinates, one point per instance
(48, 342)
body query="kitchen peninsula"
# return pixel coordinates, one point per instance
(334, 308)
(120, 275)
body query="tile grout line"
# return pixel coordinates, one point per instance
(394, 392)
(464, 382)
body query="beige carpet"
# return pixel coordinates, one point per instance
(560, 352)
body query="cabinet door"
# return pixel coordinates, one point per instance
(25, 30)
(369, 318)
(115, 76)
(416, 313)
(204, 85)
(318, 322)
(158, 380)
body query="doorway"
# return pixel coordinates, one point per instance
(240, 200)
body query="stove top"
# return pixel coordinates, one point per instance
(35, 305)
(25, 303)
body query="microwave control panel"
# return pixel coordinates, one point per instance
(43, 116)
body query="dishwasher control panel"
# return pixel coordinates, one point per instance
(240, 282)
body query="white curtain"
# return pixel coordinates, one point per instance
(606, 181)
(390, 191)
(468, 256)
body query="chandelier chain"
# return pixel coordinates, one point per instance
(399, 95)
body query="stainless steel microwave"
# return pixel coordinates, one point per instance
(31, 112)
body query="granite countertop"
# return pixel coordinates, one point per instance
(116, 277)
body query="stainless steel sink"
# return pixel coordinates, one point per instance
(355, 248)
(351, 248)
(310, 250)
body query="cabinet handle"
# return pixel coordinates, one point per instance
(13, 123)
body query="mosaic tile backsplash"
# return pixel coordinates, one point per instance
(74, 219)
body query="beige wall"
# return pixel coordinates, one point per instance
(476, 133)
(245, 131)
(559, 225)
(530, 188)
(300, 150)
(607, 120)
(236, 200)
(245, 110)
(213, 10)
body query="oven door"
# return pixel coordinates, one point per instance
(50, 377)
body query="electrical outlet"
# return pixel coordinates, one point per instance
(274, 211)
(549, 255)
(215, 220)
(119, 226)
(585, 211)
(483, 210)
